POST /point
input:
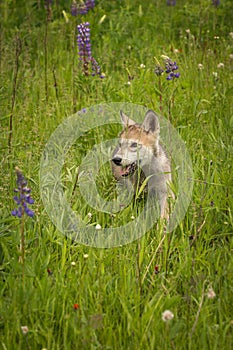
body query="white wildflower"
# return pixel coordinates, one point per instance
(211, 293)
(167, 315)
(231, 56)
(98, 227)
(215, 74)
(188, 31)
(85, 256)
(216, 37)
(89, 215)
(142, 65)
(73, 263)
(200, 66)
(220, 65)
(231, 34)
(24, 330)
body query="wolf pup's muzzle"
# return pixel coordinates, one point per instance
(125, 170)
(117, 160)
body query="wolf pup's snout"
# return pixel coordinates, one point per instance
(117, 160)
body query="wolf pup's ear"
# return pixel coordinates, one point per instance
(126, 121)
(151, 122)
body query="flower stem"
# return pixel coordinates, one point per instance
(18, 50)
(22, 244)
(160, 95)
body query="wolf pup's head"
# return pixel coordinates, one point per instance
(138, 144)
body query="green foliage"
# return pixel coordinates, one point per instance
(120, 293)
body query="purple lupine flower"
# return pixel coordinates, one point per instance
(171, 2)
(90, 4)
(170, 69)
(216, 2)
(84, 42)
(158, 70)
(74, 8)
(83, 8)
(23, 197)
(84, 45)
(84, 50)
(96, 69)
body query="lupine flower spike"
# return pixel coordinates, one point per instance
(171, 68)
(96, 69)
(84, 45)
(23, 197)
(83, 8)
(171, 2)
(84, 51)
(74, 8)
(158, 70)
(216, 2)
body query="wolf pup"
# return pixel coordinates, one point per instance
(139, 147)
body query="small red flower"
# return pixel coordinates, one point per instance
(156, 269)
(49, 272)
(76, 306)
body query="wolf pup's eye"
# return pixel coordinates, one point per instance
(134, 145)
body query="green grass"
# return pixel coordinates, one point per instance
(120, 296)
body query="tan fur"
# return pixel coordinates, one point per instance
(135, 132)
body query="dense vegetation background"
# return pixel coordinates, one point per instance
(70, 296)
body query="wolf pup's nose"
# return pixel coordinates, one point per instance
(117, 160)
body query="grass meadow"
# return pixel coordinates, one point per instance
(72, 296)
